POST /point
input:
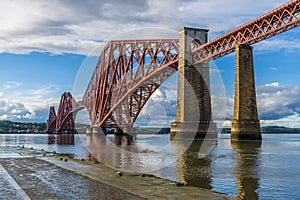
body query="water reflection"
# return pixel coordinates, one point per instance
(193, 167)
(113, 151)
(123, 139)
(247, 168)
(142, 154)
(270, 169)
(61, 139)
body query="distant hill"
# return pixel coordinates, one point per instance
(279, 129)
(270, 129)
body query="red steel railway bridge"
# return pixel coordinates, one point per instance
(129, 71)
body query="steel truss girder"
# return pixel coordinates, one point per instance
(279, 20)
(51, 122)
(126, 75)
(65, 114)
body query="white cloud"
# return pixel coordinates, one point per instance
(275, 45)
(39, 108)
(275, 84)
(222, 108)
(292, 121)
(73, 26)
(11, 110)
(11, 84)
(277, 105)
(277, 101)
(47, 44)
(160, 109)
(28, 105)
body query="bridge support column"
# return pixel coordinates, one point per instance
(98, 130)
(193, 111)
(88, 131)
(245, 124)
(118, 131)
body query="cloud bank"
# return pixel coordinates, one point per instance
(73, 26)
(277, 105)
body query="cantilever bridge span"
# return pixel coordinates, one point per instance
(129, 71)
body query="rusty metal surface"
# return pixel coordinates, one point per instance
(279, 20)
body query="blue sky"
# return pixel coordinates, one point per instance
(43, 45)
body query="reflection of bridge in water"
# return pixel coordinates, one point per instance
(61, 139)
(124, 152)
(129, 71)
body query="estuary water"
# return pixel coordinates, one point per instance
(249, 170)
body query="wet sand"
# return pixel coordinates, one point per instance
(33, 174)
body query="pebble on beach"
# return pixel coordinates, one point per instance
(119, 174)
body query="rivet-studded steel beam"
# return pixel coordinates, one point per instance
(279, 20)
(65, 116)
(126, 75)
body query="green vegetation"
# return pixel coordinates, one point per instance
(7, 126)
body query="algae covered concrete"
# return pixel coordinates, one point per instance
(40, 175)
(143, 185)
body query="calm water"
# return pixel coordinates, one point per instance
(252, 170)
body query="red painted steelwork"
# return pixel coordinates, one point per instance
(51, 122)
(65, 114)
(126, 75)
(279, 20)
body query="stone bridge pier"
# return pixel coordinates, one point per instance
(245, 123)
(193, 111)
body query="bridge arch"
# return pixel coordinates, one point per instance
(126, 75)
(65, 118)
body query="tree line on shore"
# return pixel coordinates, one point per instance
(7, 126)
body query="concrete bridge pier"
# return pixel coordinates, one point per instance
(193, 111)
(245, 124)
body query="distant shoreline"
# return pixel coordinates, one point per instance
(269, 133)
(222, 133)
(269, 130)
